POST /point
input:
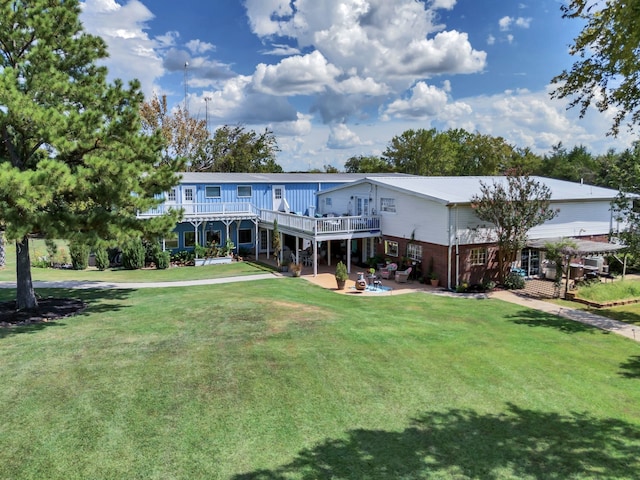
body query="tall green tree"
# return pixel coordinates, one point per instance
(74, 163)
(367, 164)
(236, 149)
(607, 72)
(513, 207)
(421, 152)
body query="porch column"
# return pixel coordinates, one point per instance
(329, 253)
(315, 257)
(297, 250)
(348, 243)
(257, 237)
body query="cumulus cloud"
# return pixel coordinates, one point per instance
(199, 47)
(341, 137)
(423, 101)
(132, 54)
(297, 75)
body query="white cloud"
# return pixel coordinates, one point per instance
(297, 75)
(132, 54)
(390, 42)
(199, 47)
(281, 50)
(523, 22)
(297, 128)
(491, 40)
(424, 101)
(342, 137)
(505, 23)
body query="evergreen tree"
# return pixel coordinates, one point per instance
(73, 161)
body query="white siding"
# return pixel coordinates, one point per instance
(426, 220)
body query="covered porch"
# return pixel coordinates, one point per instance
(320, 233)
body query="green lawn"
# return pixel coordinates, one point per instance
(120, 275)
(280, 379)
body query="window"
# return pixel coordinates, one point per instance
(245, 235)
(414, 251)
(171, 195)
(277, 193)
(171, 243)
(212, 192)
(388, 205)
(188, 194)
(478, 256)
(391, 248)
(327, 201)
(212, 237)
(244, 190)
(189, 239)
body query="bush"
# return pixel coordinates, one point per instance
(163, 260)
(182, 257)
(133, 254)
(79, 255)
(151, 251)
(102, 258)
(514, 282)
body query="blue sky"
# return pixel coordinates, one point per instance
(338, 78)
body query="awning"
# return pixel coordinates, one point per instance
(583, 247)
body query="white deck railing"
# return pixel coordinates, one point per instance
(229, 209)
(324, 225)
(309, 225)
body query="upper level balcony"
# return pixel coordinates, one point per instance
(325, 227)
(206, 211)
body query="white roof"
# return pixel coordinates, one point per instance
(460, 190)
(208, 177)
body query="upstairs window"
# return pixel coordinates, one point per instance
(171, 195)
(212, 192)
(388, 205)
(244, 190)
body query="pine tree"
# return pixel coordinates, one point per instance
(74, 162)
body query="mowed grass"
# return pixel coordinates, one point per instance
(279, 379)
(92, 274)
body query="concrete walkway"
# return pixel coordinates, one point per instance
(577, 315)
(79, 284)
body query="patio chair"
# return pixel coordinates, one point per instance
(388, 271)
(403, 276)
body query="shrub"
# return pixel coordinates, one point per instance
(182, 257)
(79, 255)
(133, 254)
(462, 287)
(341, 272)
(102, 258)
(514, 282)
(151, 251)
(163, 260)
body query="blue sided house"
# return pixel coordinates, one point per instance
(243, 208)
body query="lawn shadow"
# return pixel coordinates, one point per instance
(624, 316)
(465, 444)
(631, 368)
(95, 301)
(536, 318)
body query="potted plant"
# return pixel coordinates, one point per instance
(433, 277)
(341, 275)
(295, 269)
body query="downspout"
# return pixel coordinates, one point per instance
(449, 250)
(457, 279)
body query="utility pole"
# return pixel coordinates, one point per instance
(186, 88)
(206, 111)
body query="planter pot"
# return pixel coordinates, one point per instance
(341, 284)
(296, 273)
(434, 282)
(199, 262)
